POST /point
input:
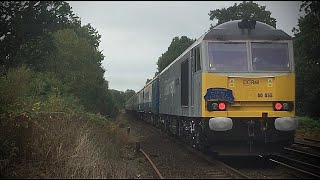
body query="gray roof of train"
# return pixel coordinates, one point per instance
(231, 31)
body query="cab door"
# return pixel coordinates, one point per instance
(185, 85)
(194, 77)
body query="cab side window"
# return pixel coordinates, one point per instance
(196, 59)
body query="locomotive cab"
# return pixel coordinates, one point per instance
(248, 88)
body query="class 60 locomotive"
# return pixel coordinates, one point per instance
(231, 92)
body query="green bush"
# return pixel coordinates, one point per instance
(307, 124)
(14, 88)
(25, 95)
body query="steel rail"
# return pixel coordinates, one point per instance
(297, 161)
(310, 139)
(307, 144)
(210, 160)
(301, 152)
(152, 164)
(286, 165)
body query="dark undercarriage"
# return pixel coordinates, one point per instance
(248, 137)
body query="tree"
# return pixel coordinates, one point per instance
(89, 33)
(177, 47)
(120, 97)
(129, 93)
(307, 59)
(77, 63)
(248, 10)
(48, 37)
(25, 28)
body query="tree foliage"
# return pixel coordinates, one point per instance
(177, 47)
(121, 97)
(25, 30)
(77, 63)
(307, 58)
(47, 37)
(129, 93)
(245, 10)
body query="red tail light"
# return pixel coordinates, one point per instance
(278, 106)
(222, 106)
(283, 106)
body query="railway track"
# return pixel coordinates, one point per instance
(152, 164)
(229, 170)
(312, 140)
(296, 166)
(303, 156)
(268, 168)
(292, 163)
(277, 167)
(306, 170)
(300, 160)
(201, 165)
(308, 144)
(224, 171)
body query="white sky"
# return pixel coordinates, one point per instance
(135, 34)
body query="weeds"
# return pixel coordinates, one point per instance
(46, 133)
(309, 127)
(62, 146)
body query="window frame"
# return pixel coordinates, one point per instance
(246, 45)
(249, 55)
(271, 42)
(197, 60)
(196, 63)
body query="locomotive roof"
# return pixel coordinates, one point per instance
(231, 31)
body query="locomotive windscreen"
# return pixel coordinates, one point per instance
(232, 56)
(270, 56)
(228, 56)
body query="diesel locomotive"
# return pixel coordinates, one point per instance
(231, 92)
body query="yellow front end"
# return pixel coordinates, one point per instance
(253, 94)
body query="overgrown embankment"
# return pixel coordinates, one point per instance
(46, 133)
(59, 145)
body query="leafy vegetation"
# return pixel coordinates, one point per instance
(26, 27)
(245, 10)
(47, 37)
(309, 126)
(178, 46)
(307, 59)
(77, 63)
(55, 103)
(120, 97)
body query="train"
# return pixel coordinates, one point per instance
(232, 92)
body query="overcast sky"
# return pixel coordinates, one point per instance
(135, 34)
